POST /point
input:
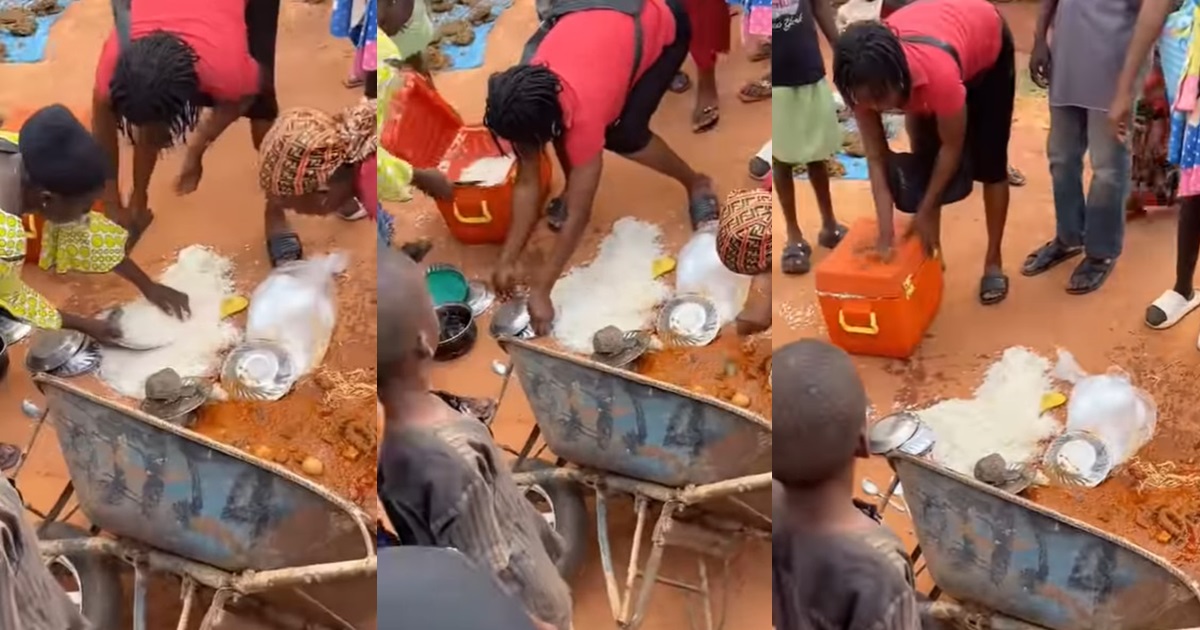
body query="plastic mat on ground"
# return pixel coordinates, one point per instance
(471, 55)
(856, 167)
(32, 48)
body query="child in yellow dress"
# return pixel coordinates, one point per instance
(55, 168)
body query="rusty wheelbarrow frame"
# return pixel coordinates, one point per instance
(256, 563)
(703, 502)
(1011, 563)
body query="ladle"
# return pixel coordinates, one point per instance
(873, 490)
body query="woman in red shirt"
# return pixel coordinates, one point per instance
(583, 101)
(177, 58)
(938, 61)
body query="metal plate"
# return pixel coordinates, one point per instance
(892, 431)
(51, 349)
(1077, 459)
(258, 370)
(479, 298)
(688, 321)
(511, 319)
(636, 344)
(85, 361)
(13, 330)
(196, 394)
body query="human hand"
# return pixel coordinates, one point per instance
(541, 312)
(927, 226)
(172, 302)
(884, 242)
(434, 183)
(504, 280)
(1039, 64)
(105, 331)
(1118, 114)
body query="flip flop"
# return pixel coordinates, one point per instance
(706, 119)
(10, 456)
(1047, 257)
(703, 209)
(993, 288)
(760, 169)
(680, 83)
(1170, 308)
(1015, 177)
(830, 240)
(1090, 275)
(556, 214)
(755, 91)
(284, 248)
(359, 213)
(797, 258)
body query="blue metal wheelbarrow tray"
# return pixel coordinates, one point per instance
(1007, 562)
(173, 501)
(702, 465)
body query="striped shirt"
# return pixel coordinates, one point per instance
(452, 476)
(30, 598)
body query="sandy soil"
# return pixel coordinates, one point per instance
(1101, 329)
(225, 213)
(723, 154)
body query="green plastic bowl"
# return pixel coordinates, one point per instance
(446, 284)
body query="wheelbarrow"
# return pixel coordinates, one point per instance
(270, 544)
(1006, 562)
(698, 466)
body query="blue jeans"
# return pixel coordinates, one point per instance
(1095, 222)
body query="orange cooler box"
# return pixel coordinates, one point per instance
(875, 308)
(424, 130)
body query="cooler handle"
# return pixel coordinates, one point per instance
(870, 329)
(484, 217)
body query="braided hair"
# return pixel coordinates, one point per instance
(868, 59)
(522, 105)
(155, 82)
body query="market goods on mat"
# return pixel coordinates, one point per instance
(875, 307)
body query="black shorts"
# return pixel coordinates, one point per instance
(990, 99)
(631, 133)
(262, 31)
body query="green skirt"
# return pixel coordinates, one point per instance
(804, 124)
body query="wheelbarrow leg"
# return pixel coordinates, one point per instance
(189, 600)
(653, 564)
(606, 563)
(641, 505)
(216, 610)
(141, 578)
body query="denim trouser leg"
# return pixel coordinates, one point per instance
(1065, 145)
(1105, 233)
(1097, 221)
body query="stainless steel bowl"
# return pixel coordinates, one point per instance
(85, 361)
(182, 411)
(511, 319)
(258, 370)
(891, 432)
(688, 321)
(51, 349)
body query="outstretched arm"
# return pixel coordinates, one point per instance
(870, 128)
(578, 199)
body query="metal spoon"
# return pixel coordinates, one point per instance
(872, 490)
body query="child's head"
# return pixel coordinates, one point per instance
(869, 67)
(408, 325)
(64, 167)
(155, 83)
(523, 107)
(744, 232)
(394, 15)
(819, 414)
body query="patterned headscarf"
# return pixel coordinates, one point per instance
(744, 232)
(306, 146)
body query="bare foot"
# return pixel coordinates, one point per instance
(189, 176)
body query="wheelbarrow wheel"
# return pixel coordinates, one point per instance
(562, 505)
(93, 582)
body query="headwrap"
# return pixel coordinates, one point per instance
(306, 146)
(744, 232)
(60, 155)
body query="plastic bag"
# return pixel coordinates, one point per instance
(296, 308)
(1109, 407)
(699, 271)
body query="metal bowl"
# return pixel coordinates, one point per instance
(183, 411)
(12, 329)
(688, 321)
(85, 361)
(637, 342)
(479, 298)
(456, 329)
(258, 370)
(51, 349)
(1077, 459)
(446, 283)
(892, 431)
(511, 319)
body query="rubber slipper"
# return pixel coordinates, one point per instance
(1015, 177)
(681, 83)
(1089, 275)
(284, 248)
(556, 214)
(359, 213)
(755, 91)
(1047, 257)
(703, 209)
(760, 169)
(1170, 308)
(10, 456)
(993, 288)
(797, 258)
(830, 240)
(706, 119)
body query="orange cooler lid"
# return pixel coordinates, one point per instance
(854, 270)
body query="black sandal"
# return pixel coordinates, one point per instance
(680, 83)
(703, 209)
(1090, 275)
(1047, 257)
(830, 240)
(797, 258)
(556, 214)
(284, 248)
(993, 288)
(706, 119)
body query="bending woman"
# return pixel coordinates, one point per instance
(55, 169)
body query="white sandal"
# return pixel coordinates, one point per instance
(359, 214)
(1175, 307)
